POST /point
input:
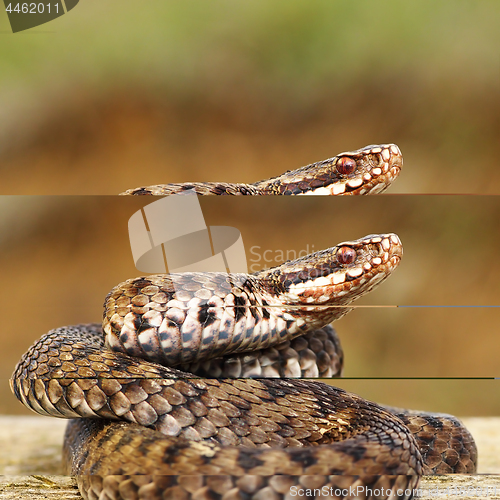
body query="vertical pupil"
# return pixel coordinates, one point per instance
(346, 166)
(346, 255)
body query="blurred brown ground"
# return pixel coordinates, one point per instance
(104, 142)
(63, 254)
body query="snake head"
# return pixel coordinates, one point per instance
(340, 274)
(368, 170)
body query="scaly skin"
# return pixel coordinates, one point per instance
(255, 434)
(369, 170)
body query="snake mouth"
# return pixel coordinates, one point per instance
(389, 167)
(342, 273)
(379, 166)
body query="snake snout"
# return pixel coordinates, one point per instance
(396, 157)
(395, 244)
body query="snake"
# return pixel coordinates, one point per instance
(143, 424)
(369, 170)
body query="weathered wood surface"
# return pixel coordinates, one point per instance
(30, 464)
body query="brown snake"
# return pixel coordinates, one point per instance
(164, 433)
(368, 170)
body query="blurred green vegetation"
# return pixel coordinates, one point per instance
(282, 46)
(290, 46)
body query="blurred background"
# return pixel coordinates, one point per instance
(117, 94)
(61, 255)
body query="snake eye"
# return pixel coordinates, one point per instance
(345, 165)
(346, 255)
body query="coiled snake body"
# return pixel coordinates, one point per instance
(368, 170)
(149, 431)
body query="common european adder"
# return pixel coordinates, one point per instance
(144, 430)
(368, 170)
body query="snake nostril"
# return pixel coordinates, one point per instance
(345, 165)
(346, 255)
